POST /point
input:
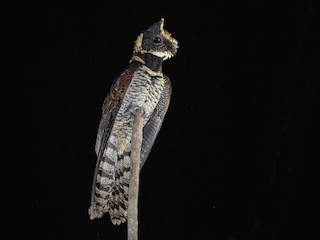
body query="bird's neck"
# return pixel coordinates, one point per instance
(151, 61)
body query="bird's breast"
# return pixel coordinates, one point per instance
(144, 91)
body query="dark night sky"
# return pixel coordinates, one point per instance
(232, 159)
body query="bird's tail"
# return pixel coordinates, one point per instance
(119, 197)
(104, 179)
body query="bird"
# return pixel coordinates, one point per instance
(141, 84)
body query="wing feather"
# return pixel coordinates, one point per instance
(111, 105)
(152, 127)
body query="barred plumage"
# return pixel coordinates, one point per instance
(141, 84)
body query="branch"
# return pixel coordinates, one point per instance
(134, 175)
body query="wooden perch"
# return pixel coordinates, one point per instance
(134, 175)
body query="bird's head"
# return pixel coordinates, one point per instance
(156, 41)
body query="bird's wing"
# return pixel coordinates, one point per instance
(105, 164)
(152, 127)
(111, 106)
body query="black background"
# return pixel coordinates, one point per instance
(233, 157)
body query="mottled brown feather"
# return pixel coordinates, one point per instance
(118, 89)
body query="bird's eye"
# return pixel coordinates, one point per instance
(157, 40)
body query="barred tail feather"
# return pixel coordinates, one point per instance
(104, 179)
(119, 199)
